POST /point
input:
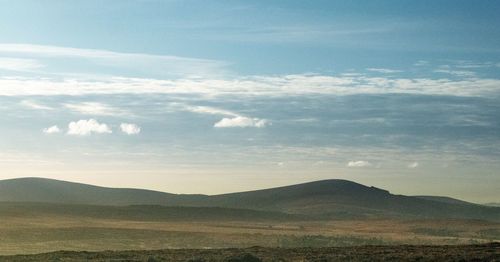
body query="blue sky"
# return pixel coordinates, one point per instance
(220, 96)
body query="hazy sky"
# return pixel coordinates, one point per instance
(219, 96)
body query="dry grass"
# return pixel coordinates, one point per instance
(26, 235)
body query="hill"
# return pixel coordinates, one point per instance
(318, 200)
(346, 199)
(448, 200)
(33, 189)
(137, 212)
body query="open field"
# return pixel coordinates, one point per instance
(485, 252)
(28, 234)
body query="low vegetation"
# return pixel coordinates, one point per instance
(487, 252)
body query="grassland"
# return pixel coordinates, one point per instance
(37, 232)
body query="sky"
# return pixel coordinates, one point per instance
(223, 96)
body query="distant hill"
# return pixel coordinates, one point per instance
(448, 200)
(138, 212)
(325, 199)
(347, 199)
(32, 189)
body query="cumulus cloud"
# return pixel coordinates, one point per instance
(87, 127)
(94, 108)
(413, 165)
(241, 121)
(359, 163)
(52, 130)
(34, 105)
(233, 119)
(130, 129)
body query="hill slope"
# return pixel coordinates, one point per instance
(34, 189)
(448, 200)
(321, 199)
(137, 212)
(342, 198)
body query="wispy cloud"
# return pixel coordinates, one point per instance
(139, 62)
(19, 64)
(253, 86)
(202, 109)
(359, 163)
(234, 119)
(460, 73)
(413, 165)
(35, 105)
(421, 63)
(300, 33)
(95, 108)
(384, 70)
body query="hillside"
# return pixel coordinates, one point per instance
(137, 212)
(34, 189)
(448, 200)
(318, 200)
(346, 199)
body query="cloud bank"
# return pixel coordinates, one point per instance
(285, 85)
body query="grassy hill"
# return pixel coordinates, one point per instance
(448, 200)
(10, 210)
(318, 200)
(346, 199)
(32, 189)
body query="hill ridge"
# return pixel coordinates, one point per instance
(325, 199)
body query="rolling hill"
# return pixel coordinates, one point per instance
(33, 189)
(448, 200)
(325, 199)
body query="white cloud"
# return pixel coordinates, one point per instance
(241, 121)
(87, 127)
(413, 165)
(252, 86)
(160, 64)
(202, 109)
(94, 108)
(359, 163)
(384, 70)
(34, 105)
(19, 64)
(234, 119)
(52, 130)
(130, 129)
(421, 63)
(459, 73)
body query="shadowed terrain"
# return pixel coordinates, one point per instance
(317, 200)
(487, 252)
(42, 215)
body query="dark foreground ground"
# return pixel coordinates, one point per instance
(484, 252)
